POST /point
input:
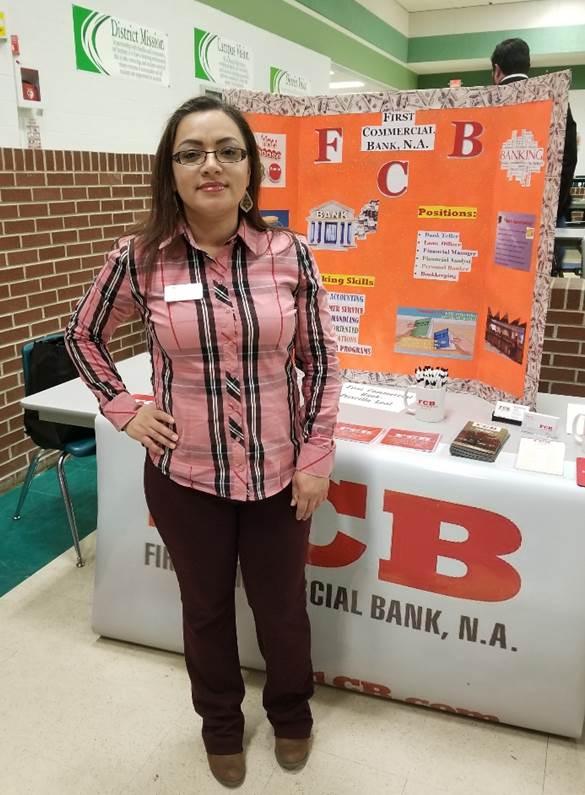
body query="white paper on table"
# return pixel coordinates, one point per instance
(378, 397)
(541, 455)
(572, 410)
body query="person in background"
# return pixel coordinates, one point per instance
(234, 466)
(511, 62)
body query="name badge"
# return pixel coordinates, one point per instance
(193, 291)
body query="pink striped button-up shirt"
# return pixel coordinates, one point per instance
(223, 365)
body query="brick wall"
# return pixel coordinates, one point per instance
(59, 214)
(563, 360)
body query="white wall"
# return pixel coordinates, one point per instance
(535, 14)
(93, 112)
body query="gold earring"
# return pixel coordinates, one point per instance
(246, 202)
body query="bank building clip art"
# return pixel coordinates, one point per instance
(333, 226)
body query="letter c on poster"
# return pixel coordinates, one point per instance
(393, 178)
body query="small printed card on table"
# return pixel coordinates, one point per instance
(541, 455)
(509, 412)
(356, 433)
(424, 441)
(542, 426)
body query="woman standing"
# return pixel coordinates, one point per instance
(234, 466)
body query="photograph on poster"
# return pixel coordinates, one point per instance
(435, 332)
(275, 217)
(514, 238)
(504, 336)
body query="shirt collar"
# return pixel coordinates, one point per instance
(254, 239)
(516, 74)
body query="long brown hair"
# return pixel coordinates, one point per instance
(162, 218)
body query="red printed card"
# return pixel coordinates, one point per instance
(413, 440)
(356, 433)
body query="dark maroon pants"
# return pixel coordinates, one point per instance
(205, 535)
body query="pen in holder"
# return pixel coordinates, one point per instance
(430, 392)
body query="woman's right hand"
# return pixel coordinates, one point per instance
(150, 428)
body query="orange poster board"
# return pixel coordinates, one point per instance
(431, 216)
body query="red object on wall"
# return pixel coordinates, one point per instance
(31, 86)
(30, 91)
(274, 172)
(14, 45)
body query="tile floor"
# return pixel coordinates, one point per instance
(85, 715)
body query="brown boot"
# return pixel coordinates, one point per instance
(228, 769)
(291, 754)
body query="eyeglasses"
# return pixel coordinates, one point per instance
(196, 157)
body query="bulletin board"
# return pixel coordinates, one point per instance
(431, 215)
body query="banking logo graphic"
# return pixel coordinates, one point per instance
(334, 226)
(521, 156)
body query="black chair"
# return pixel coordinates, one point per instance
(70, 439)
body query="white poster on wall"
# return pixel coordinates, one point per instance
(115, 47)
(285, 82)
(223, 61)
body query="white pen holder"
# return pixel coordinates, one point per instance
(428, 404)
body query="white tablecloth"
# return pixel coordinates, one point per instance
(440, 581)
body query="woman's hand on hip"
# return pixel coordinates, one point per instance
(150, 428)
(308, 492)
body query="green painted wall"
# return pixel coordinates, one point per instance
(484, 78)
(481, 45)
(353, 16)
(293, 24)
